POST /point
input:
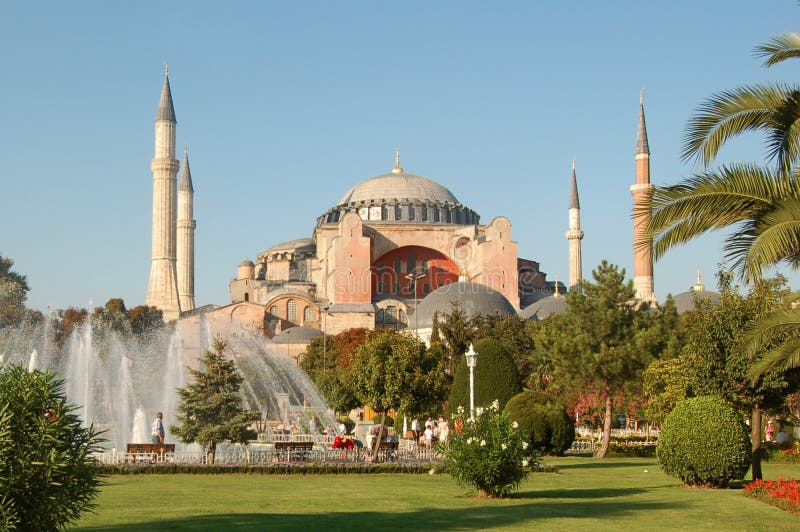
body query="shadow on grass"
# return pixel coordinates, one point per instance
(605, 464)
(491, 515)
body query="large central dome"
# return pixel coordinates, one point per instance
(400, 197)
(398, 186)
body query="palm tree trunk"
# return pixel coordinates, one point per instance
(603, 450)
(755, 439)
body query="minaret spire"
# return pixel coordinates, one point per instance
(642, 146)
(185, 235)
(643, 281)
(162, 290)
(574, 235)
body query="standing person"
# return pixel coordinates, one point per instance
(157, 430)
(769, 432)
(312, 425)
(429, 436)
(444, 432)
(416, 429)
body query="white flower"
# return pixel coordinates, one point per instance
(432, 471)
(515, 425)
(524, 463)
(524, 445)
(470, 440)
(504, 446)
(483, 443)
(496, 405)
(479, 411)
(460, 409)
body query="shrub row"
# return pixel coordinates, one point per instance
(272, 469)
(782, 454)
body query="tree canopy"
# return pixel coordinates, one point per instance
(210, 408)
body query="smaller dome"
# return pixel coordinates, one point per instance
(302, 334)
(296, 244)
(539, 310)
(473, 298)
(685, 301)
(246, 262)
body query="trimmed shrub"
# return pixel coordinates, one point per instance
(47, 475)
(548, 427)
(704, 442)
(496, 377)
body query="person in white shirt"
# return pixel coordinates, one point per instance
(157, 429)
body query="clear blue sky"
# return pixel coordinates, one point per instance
(285, 105)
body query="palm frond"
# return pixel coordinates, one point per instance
(776, 238)
(768, 107)
(731, 195)
(779, 48)
(784, 357)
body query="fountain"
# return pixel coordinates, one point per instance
(119, 381)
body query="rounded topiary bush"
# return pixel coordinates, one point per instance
(496, 377)
(546, 424)
(704, 442)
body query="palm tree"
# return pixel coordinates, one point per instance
(761, 204)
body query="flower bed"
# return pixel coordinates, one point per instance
(784, 494)
(785, 454)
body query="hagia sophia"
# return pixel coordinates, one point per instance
(392, 251)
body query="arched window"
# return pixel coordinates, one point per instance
(274, 311)
(308, 314)
(291, 310)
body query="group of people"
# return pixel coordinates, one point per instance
(435, 431)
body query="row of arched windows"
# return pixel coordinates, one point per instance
(291, 311)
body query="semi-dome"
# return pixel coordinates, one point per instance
(302, 334)
(473, 298)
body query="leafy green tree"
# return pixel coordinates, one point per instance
(603, 344)
(145, 320)
(456, 333)
(511, 331)
(719, 362)
(210, 408)
(393, 370)
(327, 362)
(13, 292)
(48, 477)
(496, 377)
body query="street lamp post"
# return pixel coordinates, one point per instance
(472, 361)
(414, 277)
(324, 337)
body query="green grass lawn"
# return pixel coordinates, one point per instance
(615, 494)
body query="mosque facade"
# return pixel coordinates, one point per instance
(392, 251)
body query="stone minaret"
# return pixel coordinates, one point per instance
(641, 191)
(186, 226)
(162, 292)
(574, 235)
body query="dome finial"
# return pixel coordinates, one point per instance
(397, 168)
(166, 69)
